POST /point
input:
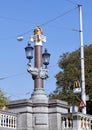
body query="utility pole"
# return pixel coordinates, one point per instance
(83, 94)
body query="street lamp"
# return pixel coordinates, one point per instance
(29, 52)
(39, 73)
(46, 58)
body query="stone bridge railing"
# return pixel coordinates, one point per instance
(8, 120)
(76, 121)
(69, 121)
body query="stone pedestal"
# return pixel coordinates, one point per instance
(40, 109)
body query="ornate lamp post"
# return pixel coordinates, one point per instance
(38, 72)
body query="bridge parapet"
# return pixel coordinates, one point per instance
(76, 121)
(8, 120)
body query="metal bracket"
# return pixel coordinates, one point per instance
(37, 72)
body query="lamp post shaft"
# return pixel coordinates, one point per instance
(38, 82)
(38, 40)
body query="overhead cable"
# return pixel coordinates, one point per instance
(14, 19)
(72, 2)
(47, 22)
(13, 75)
(57, 17)
(53, 19)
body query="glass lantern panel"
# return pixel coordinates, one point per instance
(29, 52)
(46, 59)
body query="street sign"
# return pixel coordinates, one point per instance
(77, 90)
(76, 87)
(82, 104)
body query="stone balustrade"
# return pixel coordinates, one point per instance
(67, 121)
(76, 121)
(8, 120)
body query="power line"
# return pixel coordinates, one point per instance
(57, 17)
(66, 28)
(72, 2)
(8, 38)
(43, 24)
(13, 75)
(19, 74)
(14, 19)
(53, 19)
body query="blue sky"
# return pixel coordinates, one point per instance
(21, 16)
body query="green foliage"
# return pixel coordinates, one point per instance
(89, 108)
(3, 100)
(69, 64)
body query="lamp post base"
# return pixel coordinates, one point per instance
(39, 96)
(40, 109)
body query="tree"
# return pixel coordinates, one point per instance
(3, 100)
(69, 64)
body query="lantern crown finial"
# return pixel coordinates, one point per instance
(38, 30)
